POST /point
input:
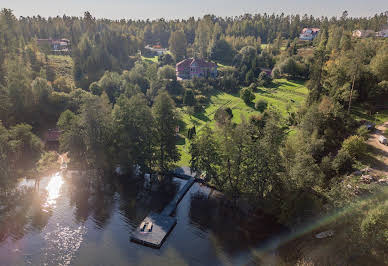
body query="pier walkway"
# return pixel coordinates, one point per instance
(155, 227)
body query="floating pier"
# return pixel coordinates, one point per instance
(161, 226)
(170, 208)
(155, 227)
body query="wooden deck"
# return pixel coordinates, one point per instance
(170, 208)
(161, 227)
(162, 223)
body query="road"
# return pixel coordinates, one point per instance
(379, 150)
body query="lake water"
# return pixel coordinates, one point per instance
(88, 221)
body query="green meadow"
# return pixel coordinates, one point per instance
(284, 95)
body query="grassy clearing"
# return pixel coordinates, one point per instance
(222, 67)
(284, 96)
(63, 67)
(153, 59)
(360, 113)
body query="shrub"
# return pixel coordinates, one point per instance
(374, 226)
(363, 132)
(95, 89)
(354, 145)
(247, 95)
(223, 116)
(276, 73)
(342, 163)
(261, 105)
(264, 79)
(61, 85)
(189, 98)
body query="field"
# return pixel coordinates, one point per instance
(284, 96)
(63, 67)
(153, 59)
(379, 117)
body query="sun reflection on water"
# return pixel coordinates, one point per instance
(53, 189)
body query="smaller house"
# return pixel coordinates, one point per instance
(266, 70)
(52, 138)
(309, 34)
(383, 33)
(363, 33)
(156, 50)
(56, 45)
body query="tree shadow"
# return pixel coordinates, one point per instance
(201, 116)
(180, 140)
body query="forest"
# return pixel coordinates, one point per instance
(115, 107)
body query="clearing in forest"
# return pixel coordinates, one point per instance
(284, 95)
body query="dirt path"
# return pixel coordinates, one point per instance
(379, 150)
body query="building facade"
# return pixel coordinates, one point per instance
(195, 68)
(56, 45)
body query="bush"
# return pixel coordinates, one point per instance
(61, 85)
(276, 73)
(342, 163)
(363, 132)
(374, 226)
(355, 146)
(247, 95)
(189, 98)
(223, 116)
(264, 79)
(95, 89)
(261, 105)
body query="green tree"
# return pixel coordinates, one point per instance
(189, 98)
(247, 95)
(166, 122)
(178, 45)
(355, 146)
(261, 105)
(133, 131)
(167, 72)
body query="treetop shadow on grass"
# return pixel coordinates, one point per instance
(201, 116)
(261, 91)
(180, 140)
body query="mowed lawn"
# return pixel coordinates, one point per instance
(284, 96)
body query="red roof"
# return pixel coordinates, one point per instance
(314, 30)
(201, 63)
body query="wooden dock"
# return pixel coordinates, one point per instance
(161, 227)
(170, 208)
(160, 224)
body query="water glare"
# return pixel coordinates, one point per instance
(53, 188)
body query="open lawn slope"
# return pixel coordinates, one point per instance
(284, 95)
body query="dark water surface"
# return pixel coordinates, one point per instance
(88, 221)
